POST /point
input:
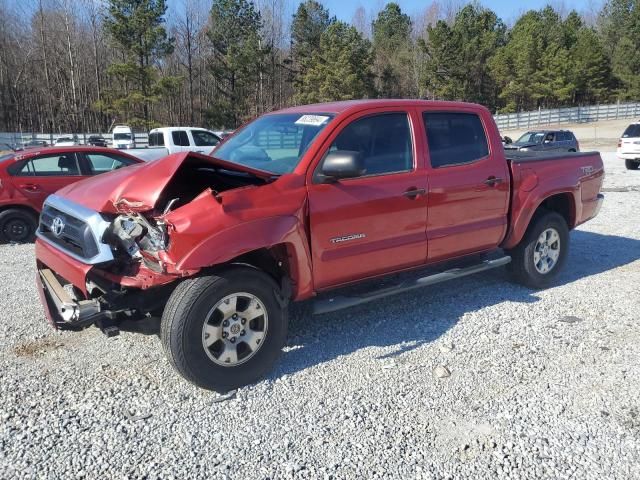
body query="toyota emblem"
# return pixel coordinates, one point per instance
(57, 226)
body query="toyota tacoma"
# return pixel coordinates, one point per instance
(302, 203)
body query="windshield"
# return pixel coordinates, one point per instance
(122, 136)
(273, 143)
(531, 137)
(64, 139)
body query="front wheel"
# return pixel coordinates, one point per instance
(631, 164)
(224, 331)
(539, 257)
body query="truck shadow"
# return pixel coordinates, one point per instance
(405, 322)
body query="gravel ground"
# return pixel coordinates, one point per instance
(478, 378)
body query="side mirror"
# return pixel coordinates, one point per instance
(342, 164)
(546, 142)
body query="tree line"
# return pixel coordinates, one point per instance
(74, 66)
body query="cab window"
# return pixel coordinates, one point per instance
(383, 141)
(180, 138)
(51, 166)
(455, 138)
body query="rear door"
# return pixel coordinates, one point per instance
(375, 223)
(45, 174)
(468, 185)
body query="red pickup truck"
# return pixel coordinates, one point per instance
(297, 203)
(28, 177)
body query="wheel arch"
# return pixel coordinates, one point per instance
(19, 206)
(563, 203)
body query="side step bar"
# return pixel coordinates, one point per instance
(340, 302)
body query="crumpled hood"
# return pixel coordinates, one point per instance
(137, 187)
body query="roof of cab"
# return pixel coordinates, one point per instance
(354, 105)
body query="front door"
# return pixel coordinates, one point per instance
(375, 223)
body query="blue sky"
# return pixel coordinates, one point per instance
(505, 9)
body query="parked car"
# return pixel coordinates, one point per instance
(168, 140)
(96, 141)
(546, 141)
(35, 144)
(298, 202)
(123, 137)
(28, 177)
(66, 141)
(629, 146)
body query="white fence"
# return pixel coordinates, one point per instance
(591, 113)
(508, 121)
(142, 139)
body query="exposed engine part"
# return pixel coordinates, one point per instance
(135, 234)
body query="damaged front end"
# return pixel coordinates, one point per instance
(122, 251)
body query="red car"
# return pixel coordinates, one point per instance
(28, 177)
(297, 203)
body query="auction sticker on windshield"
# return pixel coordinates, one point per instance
(313, 120)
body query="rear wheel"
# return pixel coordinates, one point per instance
(224, 331)
(17, 226)
(539, 257)
(632, 164)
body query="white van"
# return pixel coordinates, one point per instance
(123, 137)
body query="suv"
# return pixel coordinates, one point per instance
(546, 141)
(629, 147)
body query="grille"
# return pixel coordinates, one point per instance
(75, 236)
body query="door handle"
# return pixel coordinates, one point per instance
(492, 181)
(414, 193)
(30, 187)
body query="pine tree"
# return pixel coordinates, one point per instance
(310, 21)
(339, 69)
(392, 50)
(237, 59)
(136, 28)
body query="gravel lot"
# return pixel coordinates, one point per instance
(542, 384)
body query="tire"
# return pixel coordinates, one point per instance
(201, 301)
(524, 268)
(17, 226)
(632, 164)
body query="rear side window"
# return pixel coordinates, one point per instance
(632, 131)
(455, 138)
(384, 141)
(180, 138)
(51, 166)
(156, 139)
(101, 163)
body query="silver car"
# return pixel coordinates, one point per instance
(545, 141)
